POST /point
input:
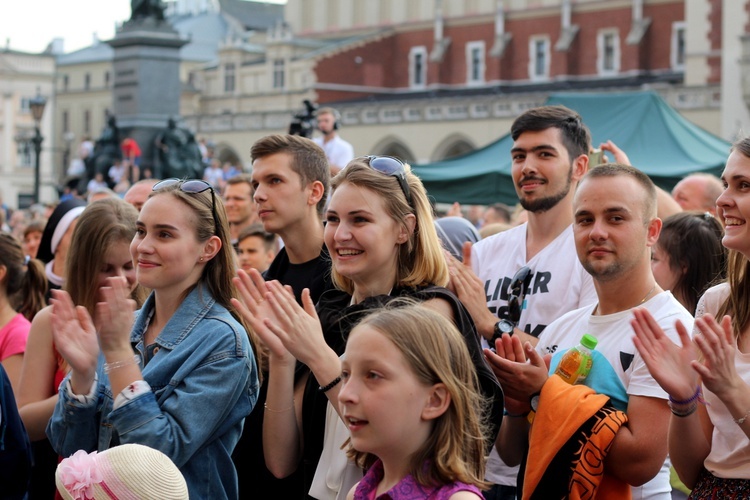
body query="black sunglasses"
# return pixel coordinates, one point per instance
(394, 167)
(191, 186)
(517, 292)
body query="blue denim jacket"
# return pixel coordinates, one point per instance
(204, 382)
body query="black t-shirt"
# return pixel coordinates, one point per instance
(253, 476)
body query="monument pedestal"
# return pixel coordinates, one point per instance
(146, 91)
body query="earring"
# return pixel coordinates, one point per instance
(201, 259)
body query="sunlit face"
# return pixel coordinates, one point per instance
(118, 263)
(138, 194)
(31, 242)
(252, 254)
(661, 265)
(734, 203)
(281, 199)
(542, 171)
(239, 204)
(381, 399)
(362, 238)
(612, 238)
(165, 248)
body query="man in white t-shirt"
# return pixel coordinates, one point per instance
(549, 154)
(337, 150)
(614, 229)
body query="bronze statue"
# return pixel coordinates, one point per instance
(178, 153)
(146, 9)
(106, 152)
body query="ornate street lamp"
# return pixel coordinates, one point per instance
(37, 110)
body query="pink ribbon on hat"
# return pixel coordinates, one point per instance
(79, 473)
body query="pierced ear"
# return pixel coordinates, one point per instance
(437, 402)
(211, 248)
(407, 229)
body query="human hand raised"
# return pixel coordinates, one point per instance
(75, 339)
(717, 367)
(519, 378)
(668, 363)
(258, 312)
(470, 291)
(114, 318)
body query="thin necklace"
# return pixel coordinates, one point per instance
(596, 309)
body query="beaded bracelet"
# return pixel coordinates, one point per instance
(108, 367)
(694, 397)
(328, 387)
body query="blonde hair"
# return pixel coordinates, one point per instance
(420, 260)
(218, 272)
(436, 353)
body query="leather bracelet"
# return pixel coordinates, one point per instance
(108, 367)
(328, 387)
(679, 412)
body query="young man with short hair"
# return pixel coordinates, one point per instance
(337, 150)
(550, 156)
(239, 205)
(290, 180)
(615, 227)
(256, 248)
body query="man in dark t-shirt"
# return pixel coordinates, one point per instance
(290, 181)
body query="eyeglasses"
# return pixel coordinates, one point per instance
(394, 167)
(191, 186)
(517, 292)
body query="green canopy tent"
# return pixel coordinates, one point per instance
(656, 138)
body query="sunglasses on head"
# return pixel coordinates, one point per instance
(517, 292)
(191, 186)
(393, 167)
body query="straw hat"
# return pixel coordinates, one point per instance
(126, 472)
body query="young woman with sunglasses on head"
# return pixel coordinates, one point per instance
(383, 244)
(183, 376)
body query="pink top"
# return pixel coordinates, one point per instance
(407, 488)
(13, 336)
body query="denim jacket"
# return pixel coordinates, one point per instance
(204, 382)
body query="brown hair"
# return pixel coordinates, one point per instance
(619, 169)
(308, 159)
(575, 135)
(737, 303)
(25, 282)
(218, 272)
(102, 224)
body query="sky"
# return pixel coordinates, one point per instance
(32, 24)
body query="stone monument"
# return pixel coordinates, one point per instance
(146, 67)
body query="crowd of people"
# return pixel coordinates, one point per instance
(314, 329)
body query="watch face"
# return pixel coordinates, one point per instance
(504, 326)
(534, 402)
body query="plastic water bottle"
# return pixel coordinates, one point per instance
(576, 363)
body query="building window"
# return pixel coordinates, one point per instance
(87, 122)
(229, 77)
(65, 82)
(65, 121)
(539, 57)
(608, 49)
(24, 153)
(87, 81)
(475, 62)
(107, 77)
(278, 73)
(25, 108)
(418, 67)
(677, 54)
